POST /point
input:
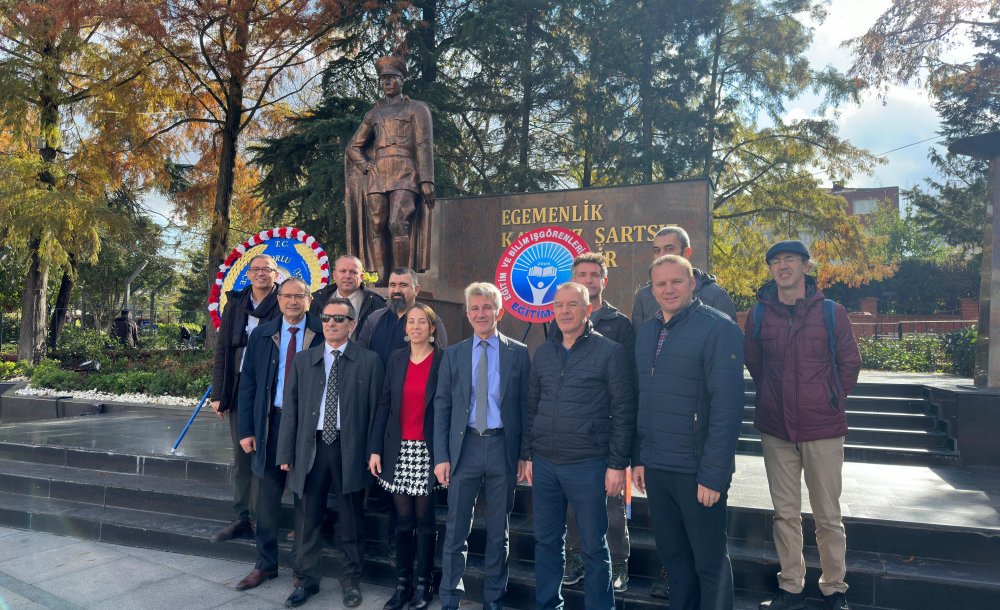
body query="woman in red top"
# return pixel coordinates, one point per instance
(401, 437)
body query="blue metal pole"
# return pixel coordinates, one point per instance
(191, 420)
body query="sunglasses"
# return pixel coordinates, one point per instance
(337, 317)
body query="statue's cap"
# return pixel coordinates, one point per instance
(390, 64)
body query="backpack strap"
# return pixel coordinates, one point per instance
(830, 321)
(758, 319)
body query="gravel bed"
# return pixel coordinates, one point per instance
(94, 395)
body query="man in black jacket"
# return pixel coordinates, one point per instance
(579, 425)
(348, 283)
(267, 363)
(690, 408)
(244, 310)
(591, 271)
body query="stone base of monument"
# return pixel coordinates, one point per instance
(919, 536)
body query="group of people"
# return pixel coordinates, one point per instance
(333, 390)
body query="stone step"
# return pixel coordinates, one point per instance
(882, 437)
(875, 388)
(877, 419)
(875, 404)
(873, 454)
(882, 580)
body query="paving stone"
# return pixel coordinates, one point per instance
(72, 557)
(21, 543)
(107, 580)
(181, 591)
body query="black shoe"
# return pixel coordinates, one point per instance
(837, 601)
(783, 600)
(399, 599)
(352, 596)
(497, 605)
(300, 596)
(660, 588)
(422, 595)
(236, 528)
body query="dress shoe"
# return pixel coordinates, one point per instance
(300, 596)
(837, 601)
(400, 597)
(254, 578)
(422, 595)
(296, 582)
(352, 596)
(234, 529)
(497, 605)
(783, 600)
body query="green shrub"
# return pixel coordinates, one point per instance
(84, 344)
(960, 349)
(48, 374)
(914, 353)
(8, 370)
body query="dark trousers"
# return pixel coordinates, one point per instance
(691, 541)
(327, 474)
(482, 463)
(618, 540)
(244, 499)
(271, 487)
(580, 485)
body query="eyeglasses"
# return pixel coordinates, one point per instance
(295, 297)
(262, 270)
(337, 317)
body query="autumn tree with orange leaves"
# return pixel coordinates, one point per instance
(69, 76)
(240, 61)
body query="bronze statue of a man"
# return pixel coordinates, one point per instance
(389, 171)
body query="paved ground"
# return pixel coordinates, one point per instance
(39, 570)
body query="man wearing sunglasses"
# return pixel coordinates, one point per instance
(328, 399)
(266, 367)
(244, 310)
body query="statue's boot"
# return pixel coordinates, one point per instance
(378, 253)
(401, 252)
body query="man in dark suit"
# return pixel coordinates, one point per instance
(477, 441)
(244, 310)
(329, 398)
(268, 361)
(384, 333)
(348, 283)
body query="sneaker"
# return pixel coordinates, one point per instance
(619, 576)
(783, 600)
(660, 588)
(574, 570)
(836, 601)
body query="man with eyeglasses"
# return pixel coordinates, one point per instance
(384, 333)
(244, 310)
(348, 283)
(266, 366)
(329, 397)
(800, 351)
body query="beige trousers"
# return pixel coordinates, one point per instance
(822, 462)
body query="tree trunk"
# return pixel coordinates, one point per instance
(646, 105)
(527, 102)
(218, 240)
(714, 93)
(31, 343)
(62, 302)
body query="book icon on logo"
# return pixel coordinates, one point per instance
(541, 278)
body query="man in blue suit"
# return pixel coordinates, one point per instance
(482, 384)
(270, 350)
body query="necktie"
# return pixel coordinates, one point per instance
(482, 387)
(332, 401)
(290, 354)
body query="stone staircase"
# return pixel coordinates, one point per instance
(887, 423)
(174, 503)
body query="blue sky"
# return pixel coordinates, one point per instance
(902, 117)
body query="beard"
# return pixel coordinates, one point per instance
(397, 302)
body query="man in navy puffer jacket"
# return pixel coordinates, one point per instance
(578, 429)
(690, 365)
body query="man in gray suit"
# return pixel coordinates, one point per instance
(477, 442)
(329, 397)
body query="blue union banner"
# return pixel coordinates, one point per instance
(297, 253)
